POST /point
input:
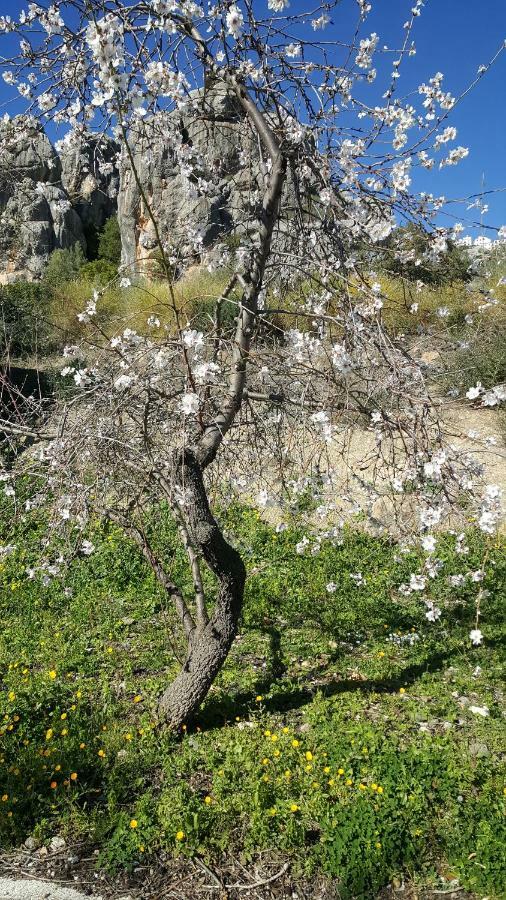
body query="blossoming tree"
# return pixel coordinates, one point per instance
(271, 402)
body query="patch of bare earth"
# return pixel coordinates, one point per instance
(267, 877)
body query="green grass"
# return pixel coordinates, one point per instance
(323, 739)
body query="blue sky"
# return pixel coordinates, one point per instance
(453, 37)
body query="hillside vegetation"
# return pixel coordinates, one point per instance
(346, 734)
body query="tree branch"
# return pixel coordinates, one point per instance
(174, 592)
(200, 599)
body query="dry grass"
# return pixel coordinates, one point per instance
(459, 299)
(193, 296)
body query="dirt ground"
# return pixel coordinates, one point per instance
(69, 873)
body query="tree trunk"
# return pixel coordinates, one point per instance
(209, 645)
(208, 651)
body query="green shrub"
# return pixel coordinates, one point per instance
(99, 272)
(64, 266)
(23, 315)
(449, 267)
(109, 242)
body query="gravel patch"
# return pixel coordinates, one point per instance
(16, 889)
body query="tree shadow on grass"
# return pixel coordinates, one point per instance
(217, 711)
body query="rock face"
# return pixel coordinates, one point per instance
(214, 137)
(90, 176)
(36, 216)
(51, 200)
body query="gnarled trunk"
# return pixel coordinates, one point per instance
(209, 648)
(209, 643)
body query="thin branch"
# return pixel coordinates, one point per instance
(200, 598)
(23, 431)
(256, 884)
(174, 592)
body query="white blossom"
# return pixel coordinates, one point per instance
(234, 21)
(476, 637)
(123, 382)
(189, 404)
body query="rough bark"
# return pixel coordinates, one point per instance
(209, 643)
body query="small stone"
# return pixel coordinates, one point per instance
(429, 357)
(479, 749)
(57, 843)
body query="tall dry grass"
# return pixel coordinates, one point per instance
(187, 300)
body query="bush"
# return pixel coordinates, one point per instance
(109, 242)
(481, 356)
(23, 315)
(99, 272)
(64, 266)
(449, 267)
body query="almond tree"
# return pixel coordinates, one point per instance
(166, 414)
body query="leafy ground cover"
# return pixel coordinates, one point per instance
(346, 733)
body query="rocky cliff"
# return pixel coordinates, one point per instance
(36, 215)
(90, 177)
(196, 173)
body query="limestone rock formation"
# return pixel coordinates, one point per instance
(197, 172)
(36, 216)
(90, 176)
(214, 136)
